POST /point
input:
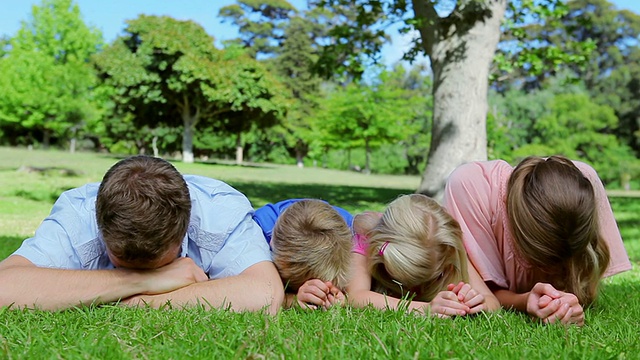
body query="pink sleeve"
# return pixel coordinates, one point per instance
(359, 244)
(468, 197)
(609, 229)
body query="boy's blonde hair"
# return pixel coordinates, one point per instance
(310, 240)
(554, 221)
(416, 248)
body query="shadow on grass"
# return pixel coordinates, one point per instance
(9, 244)
(348, 197)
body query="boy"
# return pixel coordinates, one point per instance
(311, 244)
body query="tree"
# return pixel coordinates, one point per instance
(367, 115)
(168, 72)
(460, 39)
(577, 127)
(47, 82)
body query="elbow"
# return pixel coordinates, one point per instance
(277, 300)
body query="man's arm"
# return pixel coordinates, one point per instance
(23, 284)
(257, 287)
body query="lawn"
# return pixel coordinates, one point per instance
(111, 332)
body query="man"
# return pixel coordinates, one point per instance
(145, 235)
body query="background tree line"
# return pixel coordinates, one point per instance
(304, 85)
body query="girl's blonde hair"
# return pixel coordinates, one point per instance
(554, 221)
(416, 248)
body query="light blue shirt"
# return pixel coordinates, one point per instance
(222, 237)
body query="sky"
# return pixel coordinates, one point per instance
(109, 16)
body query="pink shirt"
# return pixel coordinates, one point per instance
(475, 195)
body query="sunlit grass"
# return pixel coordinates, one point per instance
(110, 332)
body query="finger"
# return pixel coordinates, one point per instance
(548, 310)
(311, 299)
(474, 301)
(568, 317)
(449, 309)
(544, 301)
(458, 287)
(468, 294)
(307, 306)
(558, 315)
(546, 289)
(463, 291)
(313, 290)
(316, 283)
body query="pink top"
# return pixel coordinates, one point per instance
(359, 244)
(475, 195)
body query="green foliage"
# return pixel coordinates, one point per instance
(261, 23)
(47, 82)
(532, 47)
(168, 73)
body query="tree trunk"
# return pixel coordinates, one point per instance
(367, 157)
(239, 149)
(189, 121)
(154, 146)
(46, 138)
(299, 158)
(461, 55)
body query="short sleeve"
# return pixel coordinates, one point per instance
(619, 261)
(469, 197)
(68, 237)
(223, 238)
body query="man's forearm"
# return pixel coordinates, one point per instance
(25, 285)
(257, 288)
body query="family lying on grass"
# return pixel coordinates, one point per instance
(537, 238)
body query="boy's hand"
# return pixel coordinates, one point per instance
(316, 293)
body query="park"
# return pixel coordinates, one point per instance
(280, 114)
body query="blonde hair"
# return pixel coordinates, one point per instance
(553, 217)
(416, 248)
(311, 240)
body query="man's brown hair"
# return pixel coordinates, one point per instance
(142, 209)
(554, 221)
(312, 241)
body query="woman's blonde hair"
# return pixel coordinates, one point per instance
(416, 248)
(553, 217)
(311, 240)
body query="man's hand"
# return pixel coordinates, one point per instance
(177, 274)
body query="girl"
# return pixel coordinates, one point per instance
(414, 249)
(541, 235)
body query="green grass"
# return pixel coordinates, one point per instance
(111, 332)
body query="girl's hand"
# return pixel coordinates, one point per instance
(468, 296)
(570, 311)
(551, 305)
(446, 304)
